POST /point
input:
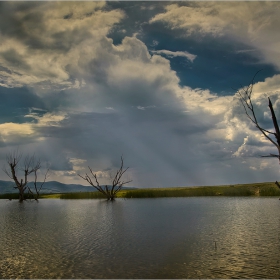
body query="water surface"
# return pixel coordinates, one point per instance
(210, 237)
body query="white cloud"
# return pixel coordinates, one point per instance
(195, 99)
(270, 86)
(186, 54)
(193, 19)
(257, 29)
(144, 108)
(61, 174)
(14, 132)
(241, 130)
(78, 164)
(131, 62)
(48, 119)
(70, 32)
(8, 129)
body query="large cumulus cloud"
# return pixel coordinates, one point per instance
(44, 43)
(89, 101)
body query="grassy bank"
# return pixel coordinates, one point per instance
(255, 189)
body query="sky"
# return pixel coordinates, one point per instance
(84, 83)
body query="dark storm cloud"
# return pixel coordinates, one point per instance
(14, 58)
(59, 162)
(26, 21)
(149, 143)
(17, 17)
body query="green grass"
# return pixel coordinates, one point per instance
(185, 192)
(269, 191)
(255, 189)
(51, 195)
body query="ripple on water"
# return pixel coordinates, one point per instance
(145, 238)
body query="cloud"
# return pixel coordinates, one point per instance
(84, 100)
(49, 61)
(253, 148)
(249, 140)
(48, 119)
(14, 129)
(198, 99)
(27, 131)
(144, 108)
(186, 54)
(193, 18)
(233, 20)
(177, 120)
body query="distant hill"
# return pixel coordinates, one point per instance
(49, 187)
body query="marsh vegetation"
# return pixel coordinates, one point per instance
(254, 189)
(257, 189)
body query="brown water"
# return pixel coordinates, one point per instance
(213, 237)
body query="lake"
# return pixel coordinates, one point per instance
(191, 237)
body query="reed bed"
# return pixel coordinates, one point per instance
(258, 189)
(187, 192)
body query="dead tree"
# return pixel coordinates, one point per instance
(30, 165)
(36, 193)
(109, 192)
(245, 95)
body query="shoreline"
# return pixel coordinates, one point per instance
(253, 189)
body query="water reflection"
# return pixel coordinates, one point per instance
(144, 238)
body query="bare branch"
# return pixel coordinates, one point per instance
(116, 186)
(246, 100)
(271, 155)
(88, 179)
(30, 166)
(45, 178)
(37, 190)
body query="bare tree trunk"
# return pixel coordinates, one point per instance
(30, 166)
(21, 195)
